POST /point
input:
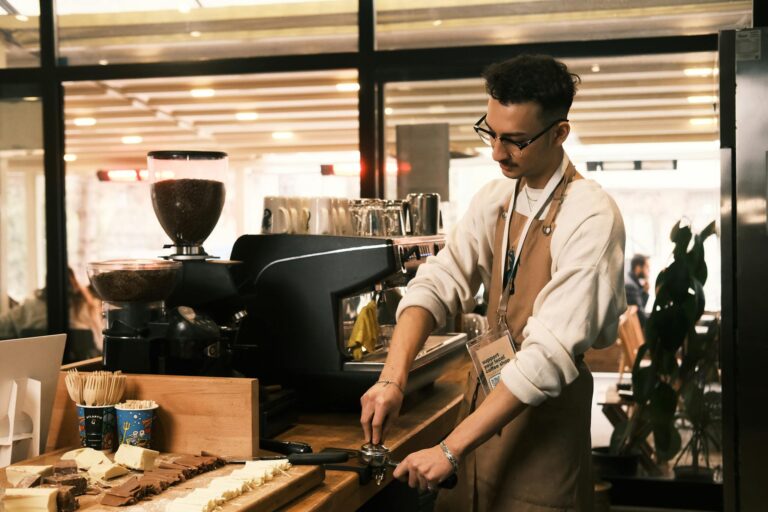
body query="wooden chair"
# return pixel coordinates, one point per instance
(630, 339)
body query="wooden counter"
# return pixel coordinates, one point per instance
(427, 416)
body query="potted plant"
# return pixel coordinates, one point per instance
(667, 364)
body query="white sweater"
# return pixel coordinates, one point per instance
(579, 308)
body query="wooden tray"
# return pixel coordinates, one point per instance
(279, 491)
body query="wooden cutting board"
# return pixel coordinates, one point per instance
(279, 491)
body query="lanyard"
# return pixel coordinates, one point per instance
(546, 195)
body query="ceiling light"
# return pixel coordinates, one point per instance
(700, 72)
(595, 68)
(195, 33)
(103, 62)
(246, 116)
(21, 17)
(132, 139)
(185, 7)
(30, 98)
(702, 121)
(282, 135)
(437, 23)
(202, 93)
(702, 100)
(348, 87)
(437, 109)
(389, 111)
(70, 157)
(84, 121)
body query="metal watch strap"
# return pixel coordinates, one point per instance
(450, 456)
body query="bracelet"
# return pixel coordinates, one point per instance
(450, 456)
(387, 382)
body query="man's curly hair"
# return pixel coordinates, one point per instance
(538, 78)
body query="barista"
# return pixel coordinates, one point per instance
(526, 447)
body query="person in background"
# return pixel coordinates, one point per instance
(526, 446)
(30, 318)
(637, 284)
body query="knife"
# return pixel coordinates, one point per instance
(297, 459)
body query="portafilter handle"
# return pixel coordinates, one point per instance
(377, 456)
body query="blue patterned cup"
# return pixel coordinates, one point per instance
(134, 426)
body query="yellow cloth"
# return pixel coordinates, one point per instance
(365, 332)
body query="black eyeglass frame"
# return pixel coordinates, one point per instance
(504, 140)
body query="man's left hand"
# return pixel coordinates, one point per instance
(424, 469)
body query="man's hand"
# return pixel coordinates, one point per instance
(424, 469)
(381, 406)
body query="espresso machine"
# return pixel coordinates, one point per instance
(178, 314)
(303, 295)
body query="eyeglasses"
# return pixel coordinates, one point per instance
(512, 147)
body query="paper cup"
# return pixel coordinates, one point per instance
(134, 426)
(96, 425)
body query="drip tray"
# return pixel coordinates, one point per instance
(436, 348)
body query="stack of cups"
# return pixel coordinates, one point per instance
(306, 215)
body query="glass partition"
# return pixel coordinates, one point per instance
(19, 24)
(104, 32)
(22, 218)
(441, 23)
(291, 134)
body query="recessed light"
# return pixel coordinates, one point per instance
(702, 121)
(70, 157)
(595, 68)
(84, 121)
(246, 116)
(700, 72)
(437, 23)
(132, 139)
(389, 111)
(282, 135)
(21, 17)
(185, 7)
(30, 98)
(202, 93)
(702, 100)
(103, 62)
(195, 33)
(348, 87)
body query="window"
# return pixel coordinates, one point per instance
(439, 23)
(104, 32)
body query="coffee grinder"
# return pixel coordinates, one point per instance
(182, 313)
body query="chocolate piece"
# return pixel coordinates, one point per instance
(28, 481)
(65, 499)
(65, 467)
(163, 482)
(127, 493)
(79, 483)
(177, 475)
(128, 488)
(150, 486)
(117, 501)
(187, 471)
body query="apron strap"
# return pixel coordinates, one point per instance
(548, 226)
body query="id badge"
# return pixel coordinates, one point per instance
(490, 352)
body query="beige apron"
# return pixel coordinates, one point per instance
(541, 461)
